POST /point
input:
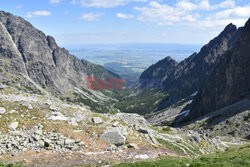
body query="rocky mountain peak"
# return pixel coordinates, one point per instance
(156, 72)
(247, 25)
(35, 60)
(180, 80)
(52, 43)
(230, 28)
(230, 80)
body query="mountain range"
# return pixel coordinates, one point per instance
(182, 79)
(198, 106)
(197, 87)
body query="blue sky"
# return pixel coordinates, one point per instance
(74, 22)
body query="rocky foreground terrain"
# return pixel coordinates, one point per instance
(41, 130)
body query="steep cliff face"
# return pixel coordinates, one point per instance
(28, 52)
(229, 82)
(10, 52)
(191, 73)
(180, 80)
(32, 61)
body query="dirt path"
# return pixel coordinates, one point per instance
(49, 159)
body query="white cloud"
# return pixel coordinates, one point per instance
(204, 4)
(164, 14)
(124, 16)
(74, 2)
(234, 12)
(91, 16)
(210, 22)
(186, 5)
(224, 4)
(103, 3)
(54, 1)
(19, 6)
(184, 12)
(38, 13)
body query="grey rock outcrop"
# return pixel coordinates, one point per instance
(114, 136)
(134, 120)
(137, 123)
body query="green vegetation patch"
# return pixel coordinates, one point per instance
(10, 165)
(233, 157)
(170, 145)
(142, 102)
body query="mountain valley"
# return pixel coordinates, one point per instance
(189, 113)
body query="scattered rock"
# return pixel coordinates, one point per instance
(53, 108)
(68, 141)
(46, 143)
(35, 139)
(3, 86)
(115, 123)
(13, 111)
(96, 120)
(111, 148)
(196, 137)
(2, 110)
(133, 145)
(73, 122)
(142, 129)
(26, 104)
(142, 156)
(13, 125)
(57, 116)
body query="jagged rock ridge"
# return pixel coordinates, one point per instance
(188, 76)
(180, 80)
(26, 52)
(229, 82)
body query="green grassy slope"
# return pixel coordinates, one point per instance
(233, 157)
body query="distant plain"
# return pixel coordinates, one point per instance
(130, 60)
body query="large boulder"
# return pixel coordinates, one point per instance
(115, 136)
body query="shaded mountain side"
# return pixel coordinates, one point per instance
(229, 82)
(179, 80)
(29, 57)
(191, 73)
(157, 72)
